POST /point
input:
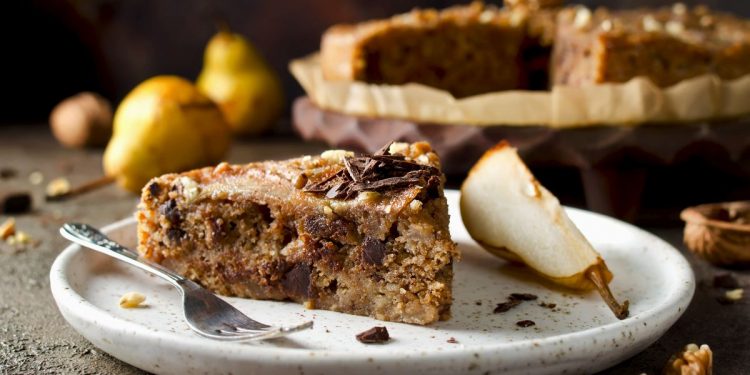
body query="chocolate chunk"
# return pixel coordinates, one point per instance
(175, 234)
(7, 173)
(297, 282)
(321, 226)
(522, 296)
(525, 323)
(316, 226)
(548, 305)
(374, 335)
(15, 202)
(171, 212)
(373, 250)
(452, 340)
(154, 189)
(725, 281)
(505, 306)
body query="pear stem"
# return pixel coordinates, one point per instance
(84, 188)
(595, 275)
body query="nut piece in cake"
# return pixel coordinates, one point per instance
(511, 215)
(359, 234)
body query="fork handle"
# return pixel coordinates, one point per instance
(88, 236)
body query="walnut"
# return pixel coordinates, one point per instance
(582, 18)
(82, 120)
(679, 9)
(651, 24)
(336, 156)
(190, 189)
(734, 294)
(693, 360)
(675, 27)
(57, 187)
(7, 229)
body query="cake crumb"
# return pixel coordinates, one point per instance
(131, 300)
(20, 238)
(734, 294)
(36, 178)
(57, 187)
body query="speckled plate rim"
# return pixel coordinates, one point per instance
(655, 321)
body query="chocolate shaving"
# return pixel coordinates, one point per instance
(380, 171)
(522, 296)
(514, 299)
(505, 306)
(525, 323)
(374, 335)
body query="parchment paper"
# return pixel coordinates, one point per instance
(637, 101)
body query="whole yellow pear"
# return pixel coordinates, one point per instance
(236, 77)
(164, 125)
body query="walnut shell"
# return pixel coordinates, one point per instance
(719, 233)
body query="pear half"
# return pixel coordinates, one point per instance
(511, 215)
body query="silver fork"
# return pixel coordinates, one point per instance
(205, 313)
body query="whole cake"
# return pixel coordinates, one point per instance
(359, 234)
(530, 44)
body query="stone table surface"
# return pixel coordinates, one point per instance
(34, 338)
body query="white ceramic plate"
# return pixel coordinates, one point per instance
(581, 335)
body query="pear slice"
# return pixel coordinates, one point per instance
(511, 215)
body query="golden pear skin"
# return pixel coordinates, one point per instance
(507, 211)
(164, 125)
(236, 77)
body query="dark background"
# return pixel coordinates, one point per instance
(53, 49)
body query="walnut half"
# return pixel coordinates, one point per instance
(693, 360)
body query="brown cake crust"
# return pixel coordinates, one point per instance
(253, 231)
(667, 45)
(465, 50)
(532, 44)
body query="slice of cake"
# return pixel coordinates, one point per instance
(666, 45)
(465, 50)
(365, 235)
